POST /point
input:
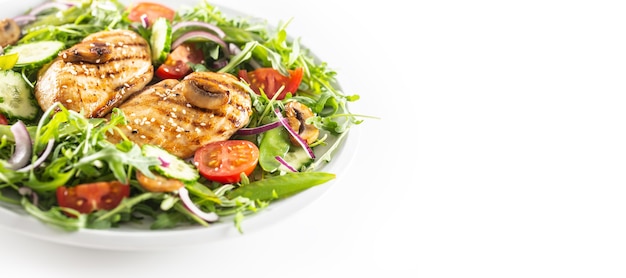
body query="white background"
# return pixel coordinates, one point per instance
(499, 151)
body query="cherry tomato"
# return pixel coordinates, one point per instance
(175, 66)
(152, 10)
(3, 120)
(224, 161)
(270, 80)
(89, 197)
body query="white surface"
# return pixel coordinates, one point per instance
(500, 151)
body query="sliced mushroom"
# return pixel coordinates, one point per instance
(89, 52)
(209, 90)
(9, 32)
(296, 114)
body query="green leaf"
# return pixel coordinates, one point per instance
(282, 186)
(118, 160)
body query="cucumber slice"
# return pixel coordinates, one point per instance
(35, 54)
(16, 97)
(161, 40)
(172, 167)
(299, 159)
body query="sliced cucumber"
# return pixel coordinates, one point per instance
(16, 96)
(35, 54)
(161, 40)
(172, 166)
(299, 159)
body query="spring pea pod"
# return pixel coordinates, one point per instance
(275, 142)
(282, 186)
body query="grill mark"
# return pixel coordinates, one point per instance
(105, 70)
(233, 120)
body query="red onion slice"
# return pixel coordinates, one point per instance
(41, 158)
(24, 19)
(23, 146)
(164, 163)
(204, 25)
(284, 163)
(144, 21)
(49, 5)
(258, 129)
(183, 193)
(25, 191)
(204, 35)
(293, 133)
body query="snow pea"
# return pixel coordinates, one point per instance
(275, 142)
(277, 187)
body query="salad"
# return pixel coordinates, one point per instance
(61, 165)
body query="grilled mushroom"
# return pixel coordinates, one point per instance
(92, 52)
(9, 32)
(209, 90)
(297, 114)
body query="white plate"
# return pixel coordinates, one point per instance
(138, 238)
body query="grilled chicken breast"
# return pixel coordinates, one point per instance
(182, 116)
(97, 74)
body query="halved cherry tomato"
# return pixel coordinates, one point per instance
(175, 66)
(89, 197)
(224, 161)
(152, 10)
(270, 80)
(3, 120)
